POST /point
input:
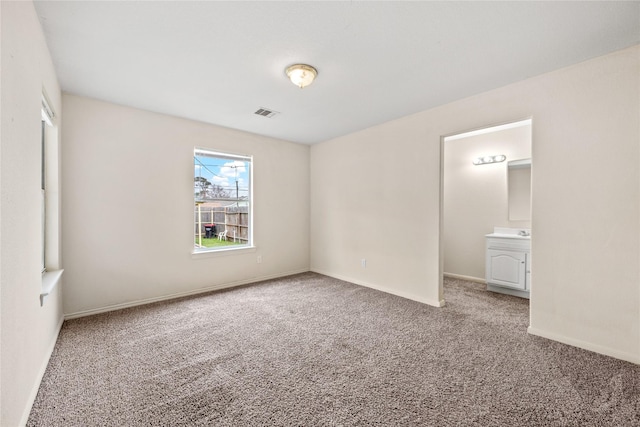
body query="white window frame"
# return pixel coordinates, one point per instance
(43, 194)
(250, 243)
(50, 201)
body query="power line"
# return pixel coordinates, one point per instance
(206, 168)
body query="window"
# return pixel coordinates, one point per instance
(50, 201)
(222, 201)
(46, 117)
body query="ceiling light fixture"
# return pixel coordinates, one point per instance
(301, 75)
(489, 159)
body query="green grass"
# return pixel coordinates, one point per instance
(215, 243)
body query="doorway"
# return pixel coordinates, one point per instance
(479, 194)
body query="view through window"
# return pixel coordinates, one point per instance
(222, 200)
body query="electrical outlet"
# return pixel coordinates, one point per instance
(259, 259)
(363, 262)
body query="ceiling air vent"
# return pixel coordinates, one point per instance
(265, 112)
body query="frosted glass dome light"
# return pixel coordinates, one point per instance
(301, 75)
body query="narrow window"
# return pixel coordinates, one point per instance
(222, 201)
(50, 201)
(46, 120)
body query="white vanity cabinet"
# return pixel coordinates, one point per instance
(508, 263)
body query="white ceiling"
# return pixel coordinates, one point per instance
(218, 62)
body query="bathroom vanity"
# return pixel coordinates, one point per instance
(508, 261)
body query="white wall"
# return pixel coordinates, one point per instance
(28, 330)
(128, 207)
(585, 200)
(374, 196)
(475, 198)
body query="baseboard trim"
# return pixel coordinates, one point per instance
(463, 277)
(43, 367)
(218, 287)
(434, 303)
(508, 291)
(629, 357)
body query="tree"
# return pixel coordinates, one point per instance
(204, 189)
(201, 186)
(217, 192)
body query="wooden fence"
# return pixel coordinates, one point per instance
(232, 219)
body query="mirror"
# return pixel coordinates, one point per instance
(519, 189)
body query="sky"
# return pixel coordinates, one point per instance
(224, 172)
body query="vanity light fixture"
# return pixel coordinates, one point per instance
(489, 159)
(301, 75)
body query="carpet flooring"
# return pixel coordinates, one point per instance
(309, 350)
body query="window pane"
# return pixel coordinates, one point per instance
(222, 196)
(43, 201)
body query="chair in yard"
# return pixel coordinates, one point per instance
(222, 235)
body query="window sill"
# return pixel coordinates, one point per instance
(222, 252)
(49, 281)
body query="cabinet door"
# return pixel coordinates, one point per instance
(506, 268)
